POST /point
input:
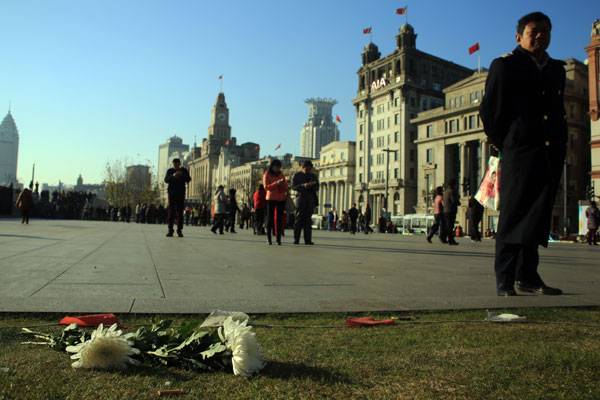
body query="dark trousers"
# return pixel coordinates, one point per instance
(353, 225)
(439, 223)
(516, 262)
(219, 219)
(450, 218)
(231, 222)
(175, 211)
(273, 207)
(259, 218)
(591, 236)
(303, 222)
(475, 221)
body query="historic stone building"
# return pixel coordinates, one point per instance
(593, 51)
(9, 151)
(173, 148)
(451, 143)
(391, 91)
(203, 162)
(320, 129)
(336, 167)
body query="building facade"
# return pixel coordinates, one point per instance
(9, 151)
(205, 161)
(593, 51)
(337, 169)
(173, 148)
(452, 144)
(391, 91)
(320, 129)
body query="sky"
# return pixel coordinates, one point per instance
(93, 82)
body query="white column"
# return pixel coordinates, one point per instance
(463, 166)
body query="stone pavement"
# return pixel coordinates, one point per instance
(89, 267)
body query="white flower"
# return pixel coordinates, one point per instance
(247, 358)
(107, 349)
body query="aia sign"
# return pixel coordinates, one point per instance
(378, 84)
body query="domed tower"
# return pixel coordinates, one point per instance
(406, 38)
(9, 150)
(370, 54)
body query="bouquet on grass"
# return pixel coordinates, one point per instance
(231, 346)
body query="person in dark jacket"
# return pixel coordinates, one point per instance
(233, 209)
(367, 220)
(306, 185)
(593, 219)
(450, 204)
(523, 115)
(25, 204)
(353, 214)
(176, 177)
(476, 212)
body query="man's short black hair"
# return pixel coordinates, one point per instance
(176, 160)
(532, 17)
(307, 164)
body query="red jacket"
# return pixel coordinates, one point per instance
(274, 190)
(260, 200)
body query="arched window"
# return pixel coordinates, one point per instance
(396, 196)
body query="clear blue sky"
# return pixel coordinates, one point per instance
(95, 81)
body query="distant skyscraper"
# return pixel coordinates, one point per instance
(9, 150)
(320, 129)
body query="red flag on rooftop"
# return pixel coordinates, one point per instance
(366, 31)
(227, 143)
(474, 48)
(337, 118)
(401, 11)
(220, 76)
(257, 148)
(278, 147)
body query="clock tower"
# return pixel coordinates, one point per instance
(219, 122)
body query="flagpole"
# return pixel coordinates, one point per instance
(406, 15)
(221, 84)
(479, 58)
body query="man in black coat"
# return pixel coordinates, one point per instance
(176, 177)
(451, 204)
(353, 214)
(306, 184)
(524, 117)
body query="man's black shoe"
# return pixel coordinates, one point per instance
(543, 289)
(170, 234)
(507, 292)
(296, 242)
(213, 231)
(453, 243)
(179, 233)
(428, 239)
(309, 243)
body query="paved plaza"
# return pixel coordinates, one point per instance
(88, 266)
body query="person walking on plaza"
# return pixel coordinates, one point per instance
(367, 220)
(353, 215)
(177, 177)
(276, 186)
(524, 117)
(450, 204)
(233, 209)
(25, 204)
(220, 208)
(475, 220)
(593, 219)
(245, 217)
(438, 216)
(306, 184)
(260, 205)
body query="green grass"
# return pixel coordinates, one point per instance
(423, 361)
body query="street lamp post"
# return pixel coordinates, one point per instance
(387, 175)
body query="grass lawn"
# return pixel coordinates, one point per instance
(423, 361)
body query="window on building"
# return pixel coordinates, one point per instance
(361, 114)
(396, 119)
(429, 131)
(342, 156)
(472, 122)
(396, 137)
(462, 101)
(396, 101)
(412, 155)
(360, 178)
(360, 162)
(436, 86)
(429, 156)
(452, 126)
(396, 174)
(412, 173)
(477, 95)
(396, 156)
(371, 160)
(465, 124)
(380, 108)
(471, 97)
(413, 101)
(360, 145)
(371, 143)
(424, 104)
(413, 135)
(361, 129)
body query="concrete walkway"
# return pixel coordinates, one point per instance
(86, 267)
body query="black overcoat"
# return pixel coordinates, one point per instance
(523, 115)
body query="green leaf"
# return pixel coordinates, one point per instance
(214, 349)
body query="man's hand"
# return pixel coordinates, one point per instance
(178, 174)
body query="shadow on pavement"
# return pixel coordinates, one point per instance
(27, 237)
(282, 370)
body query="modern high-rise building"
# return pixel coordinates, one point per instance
(173, 148)
(391, 91)
(9, 150)
(320, 130)
(593, 51)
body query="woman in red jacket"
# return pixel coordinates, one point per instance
(276, 187)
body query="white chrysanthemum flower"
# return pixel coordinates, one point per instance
(107, 349)
(246, 358)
